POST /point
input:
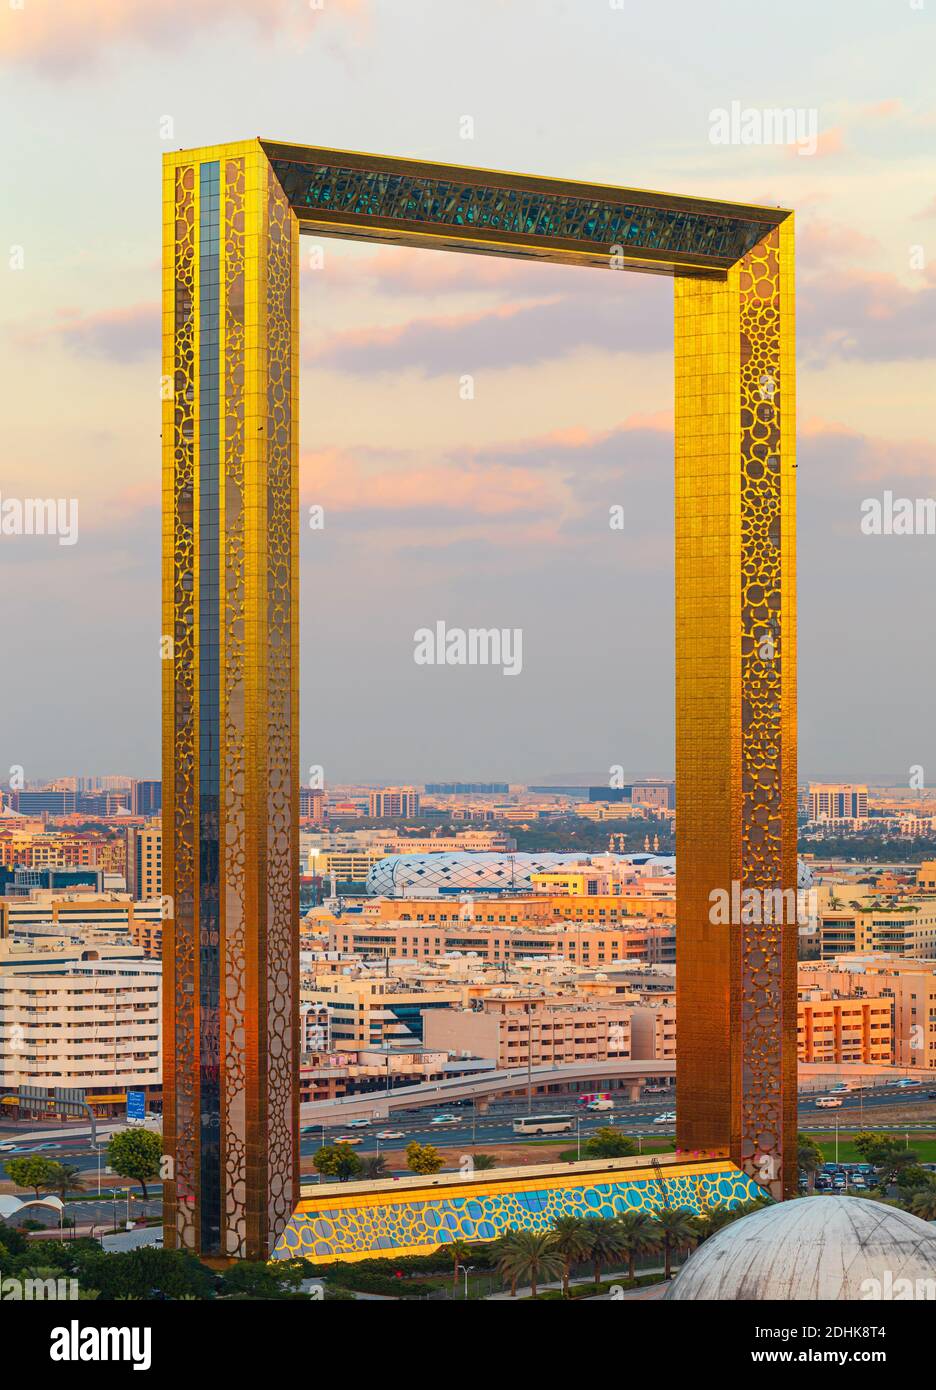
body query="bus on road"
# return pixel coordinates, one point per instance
(544, 1124)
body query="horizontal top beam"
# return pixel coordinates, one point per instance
(345, 193)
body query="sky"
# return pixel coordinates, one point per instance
(490, 511)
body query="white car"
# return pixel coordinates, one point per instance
(358, 1124)
(666, 1119)
(390, 1134)
(443, 1120)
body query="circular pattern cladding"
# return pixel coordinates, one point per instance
(322, 1233)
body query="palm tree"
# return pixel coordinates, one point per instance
(710, 1220)
(65, 1178)
(502, 1256)
(638, 1237)
(374, 1167)
(483, 1163)
(923, 1203)
(674, 1233)
(607, 1244)
(530, 1256)
(574, 1244)
(459, 1251)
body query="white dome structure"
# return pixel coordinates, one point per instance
(814, 1248)
(433, 875)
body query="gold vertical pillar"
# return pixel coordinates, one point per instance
(230, 696)
(736, 713)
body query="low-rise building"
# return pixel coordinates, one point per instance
(515, 1032)
(837, 1030)
(907, 985)
(372, 1011)
(585, 945)
(906, 928)
(85, 1019)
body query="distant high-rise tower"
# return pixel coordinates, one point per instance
(394, 803)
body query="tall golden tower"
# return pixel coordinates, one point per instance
(736, 712)
(230, 691)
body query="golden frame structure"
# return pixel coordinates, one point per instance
(232, 215)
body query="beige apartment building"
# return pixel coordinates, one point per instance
(653, 942)
(373, 1011)
(836, 1030)
(144, 861)
(83, 918)
(516, 1031)
(908, 929)
(908, 986)
(87, 1019)
(653, 1032)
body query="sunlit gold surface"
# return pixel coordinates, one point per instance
(258, 704)
(735, 710)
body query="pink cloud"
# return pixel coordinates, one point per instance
(335, 478)
(869, 316)
(121, 335)
(882, 110)
(59, 39)
(403, 270)
(823, 241)
(847, 456)
(593, 312)
(828, 142)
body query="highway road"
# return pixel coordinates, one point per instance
(473, 1129)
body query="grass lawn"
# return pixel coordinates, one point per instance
(923, 1146)
(663, 1145)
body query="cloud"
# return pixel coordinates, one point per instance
(346, 481)
(396, 270)
(883, 110)
(605, 313)
(56, 39)
(117, 335)
(872, 317)
(824, 241)
(834, 458)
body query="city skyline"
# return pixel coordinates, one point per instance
(493, 511)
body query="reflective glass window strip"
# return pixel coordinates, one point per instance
(406, 198)
(209, 712)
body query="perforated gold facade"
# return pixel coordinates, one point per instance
(232, 216)
(230, 773)
(736, 713)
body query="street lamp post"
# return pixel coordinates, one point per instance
(465, 1269)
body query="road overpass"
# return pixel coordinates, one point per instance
(624, 1076)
